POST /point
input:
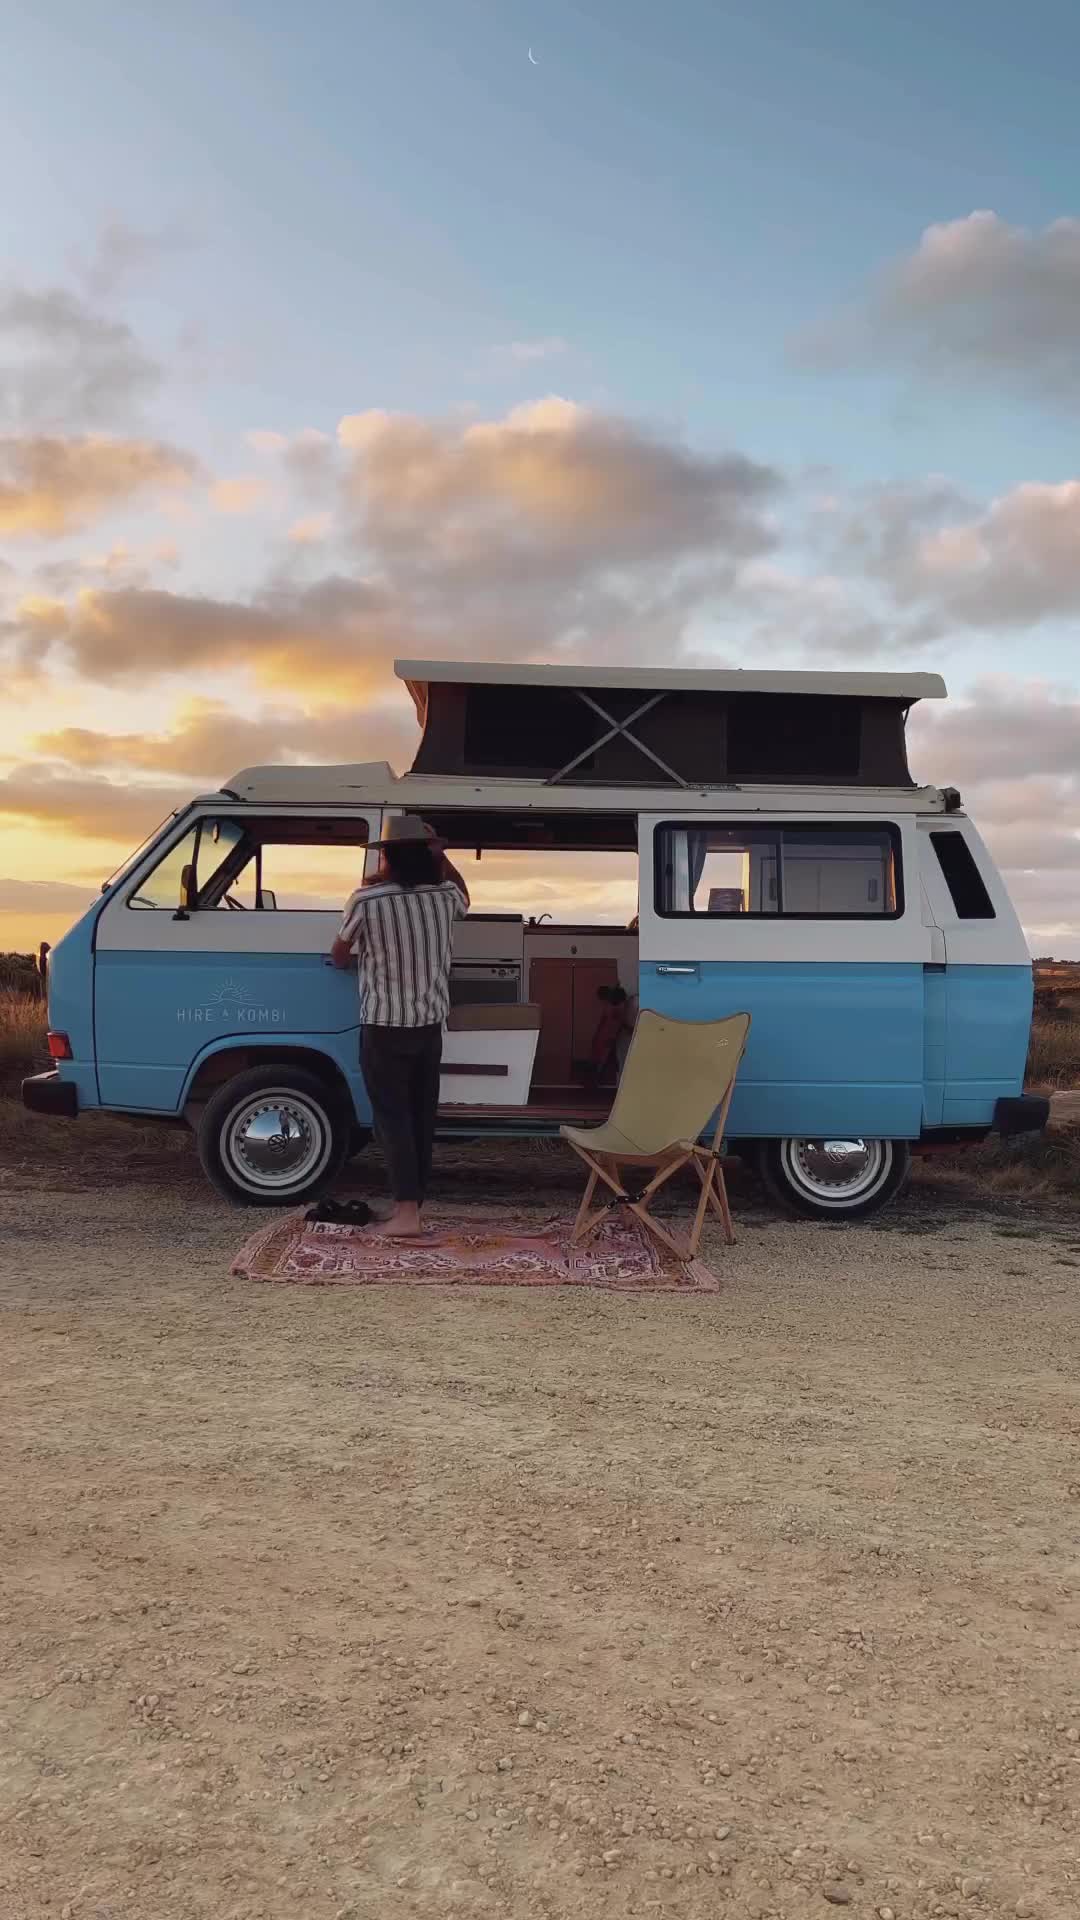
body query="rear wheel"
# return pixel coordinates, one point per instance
(273, 1137)
(835, 1179)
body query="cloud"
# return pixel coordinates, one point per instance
(266, 440)
(86, 807)
(526, 353)
(43, 896)
(553, 531)
(51, 486)
(209, 741)
(336, 630)
(1006, 730)
(118, 565)
(1012, 563)
(311, 530)
(239, 495)
(978, 298)
(124, 252)
(552, 528)
(64, 365)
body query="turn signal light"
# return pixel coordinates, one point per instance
(60, 1047)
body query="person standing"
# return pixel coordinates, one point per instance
(400, 926)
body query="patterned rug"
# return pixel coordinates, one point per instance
(473, 1249)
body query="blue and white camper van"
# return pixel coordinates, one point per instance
(787, 864)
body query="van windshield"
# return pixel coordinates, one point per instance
(121, 872)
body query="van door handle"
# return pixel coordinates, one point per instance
(665, 966)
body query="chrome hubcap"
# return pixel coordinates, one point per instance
(279, 1139)
(837, 1172)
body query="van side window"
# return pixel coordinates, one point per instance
(799, 872)
(161, 888)
(967, 889)
(282, 865)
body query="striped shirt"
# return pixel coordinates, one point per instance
(402, 940)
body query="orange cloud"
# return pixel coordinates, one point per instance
(549, 530)
(209, 741)
(337, 632)
(311, 530)
(54, 486)
(239, 495)
(87, 807)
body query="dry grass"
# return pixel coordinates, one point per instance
(1054, 1055)
(1039, 1167)
(22, 1033)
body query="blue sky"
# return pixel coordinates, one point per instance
(343, 210)
(378, 193)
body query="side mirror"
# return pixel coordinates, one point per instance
(268, 899)
(187, 893)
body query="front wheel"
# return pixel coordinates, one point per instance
(834, 1179)
(272, 1137)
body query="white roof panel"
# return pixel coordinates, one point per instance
(882, 686)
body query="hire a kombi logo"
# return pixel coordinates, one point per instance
(230, 1004)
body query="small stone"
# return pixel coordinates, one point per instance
(1024, 1909)
(612, 1856)
(525, 1719)
(837, 1896)
(721, 1833)
(885, 1913)
(506, 1765)
(242, 1666)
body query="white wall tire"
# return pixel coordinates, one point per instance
(272, 1137)
(835, 1179)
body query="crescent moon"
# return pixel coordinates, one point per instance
(536, 63)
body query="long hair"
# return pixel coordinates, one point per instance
(411, 863)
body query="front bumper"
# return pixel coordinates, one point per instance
(1022, 1113)
(47, 1093)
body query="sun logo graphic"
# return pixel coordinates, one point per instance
(230, 993)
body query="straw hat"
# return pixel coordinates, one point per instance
(407, 829)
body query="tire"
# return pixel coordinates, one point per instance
(805, 1178)
(273, 1137)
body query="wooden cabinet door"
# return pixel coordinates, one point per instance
(588, 976)
(551, 988)
(565, 991)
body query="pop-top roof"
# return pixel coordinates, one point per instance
(676, 727)
(905, 687)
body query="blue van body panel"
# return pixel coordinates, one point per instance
(833, 1049)
(159, 1017)
(988, 1026)
(71, 1004)
(868, 1049)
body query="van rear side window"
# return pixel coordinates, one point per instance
(966, 886)
(830, 871)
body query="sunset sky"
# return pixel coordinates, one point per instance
(726, 334)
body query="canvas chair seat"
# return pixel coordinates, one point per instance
(679, 1076)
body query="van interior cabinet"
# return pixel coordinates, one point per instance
(565, 990)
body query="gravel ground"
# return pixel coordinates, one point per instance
(320, 1604)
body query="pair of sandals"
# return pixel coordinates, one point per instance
(341, 1213)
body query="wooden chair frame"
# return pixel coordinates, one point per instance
(706, 1163)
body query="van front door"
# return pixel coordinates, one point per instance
(815, 928)
(221, 939)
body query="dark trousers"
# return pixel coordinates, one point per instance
(401, 1073)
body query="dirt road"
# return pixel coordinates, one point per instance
(505, 1603)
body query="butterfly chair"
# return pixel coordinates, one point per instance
(678, 1075)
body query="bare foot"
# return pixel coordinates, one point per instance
(403, 1223)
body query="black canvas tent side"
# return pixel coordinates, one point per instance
(680, 728)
